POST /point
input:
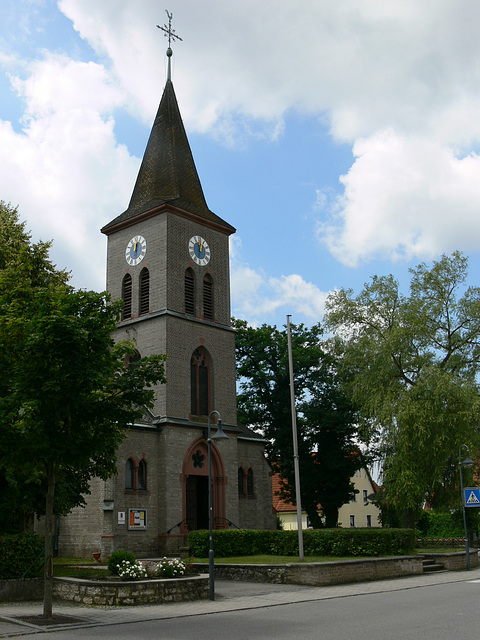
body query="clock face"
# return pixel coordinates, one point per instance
(136, 250)
(199, 250)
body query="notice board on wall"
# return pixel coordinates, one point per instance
(137, 518)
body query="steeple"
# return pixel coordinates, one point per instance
(167, 175)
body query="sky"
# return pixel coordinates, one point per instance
(340, 139)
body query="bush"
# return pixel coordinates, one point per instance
(117, 558)
(132, 570)
(18, 553)
(317, 542)
(442, 524)
(172, 568)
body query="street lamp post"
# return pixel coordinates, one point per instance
(468, 462)
(219, 435)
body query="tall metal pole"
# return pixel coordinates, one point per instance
(298, 498)
(220, 435)
(468, 462)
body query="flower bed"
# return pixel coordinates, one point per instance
(166, 568)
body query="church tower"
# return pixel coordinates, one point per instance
(168, 259)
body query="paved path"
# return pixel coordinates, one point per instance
(230, 596)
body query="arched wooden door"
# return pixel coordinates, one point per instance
(195, 488)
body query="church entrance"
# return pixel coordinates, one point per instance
(195, 488)
(197, 502)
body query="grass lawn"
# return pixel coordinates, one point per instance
(275, 559)
(81, 568)
(264, 559)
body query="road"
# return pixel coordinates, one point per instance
(425, 612)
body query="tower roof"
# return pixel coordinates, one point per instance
(167, 175)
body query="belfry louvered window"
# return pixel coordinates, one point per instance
(144, 291)
(127, 297)
(189, 293)
(208, 297)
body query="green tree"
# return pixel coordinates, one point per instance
(328, 456)
(411, 361)
(67, 396)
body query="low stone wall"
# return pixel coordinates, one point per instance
(454, 561)
(21, 590)
(327, 573)
(321, 573)
(98, 592)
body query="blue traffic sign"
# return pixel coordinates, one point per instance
(471, 497)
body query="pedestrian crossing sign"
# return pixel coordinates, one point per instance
(471, 497)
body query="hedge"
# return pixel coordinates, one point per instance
(316, 542)
(17, 553)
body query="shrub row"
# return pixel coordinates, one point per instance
(316, 542)
(18, 552)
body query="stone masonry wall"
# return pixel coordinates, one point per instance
(322, 573)
(87, 592)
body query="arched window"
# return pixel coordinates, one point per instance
(135, 475)
(189, 292)
(200, 383)
(129, 474)
(250, 482)
(127, 296)
(134, 357)
(144, 291)
(208, 297)
(142, 475)
(241, 487)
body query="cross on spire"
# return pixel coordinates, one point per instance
(169, 33)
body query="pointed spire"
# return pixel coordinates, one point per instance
(167, 174)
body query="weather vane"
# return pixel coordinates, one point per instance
(171, 35)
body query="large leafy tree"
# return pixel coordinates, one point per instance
(66, 394)
(412, 361)
(326, 422)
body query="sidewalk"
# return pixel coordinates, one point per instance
(230, 596)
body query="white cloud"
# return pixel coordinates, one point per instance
(369, 64)
(404, 198)
(257, 297)
(401, 74)
(398, 80)
(64, 167)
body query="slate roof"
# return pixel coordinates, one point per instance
(167, 175)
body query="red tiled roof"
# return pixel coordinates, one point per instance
(279, 503)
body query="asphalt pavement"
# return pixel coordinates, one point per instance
(24, 618)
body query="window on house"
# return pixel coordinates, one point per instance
(354, 495)
(250, 482)
(200, 383)
(241, 487)
(135, 475)
(134, 357)
(352, 521)
(189, 292)
(369, 521)
(127, 296)
(365, 496)
(144, 291)
(129, 474)
(208, 297)
(245, 483)
(142, 475)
